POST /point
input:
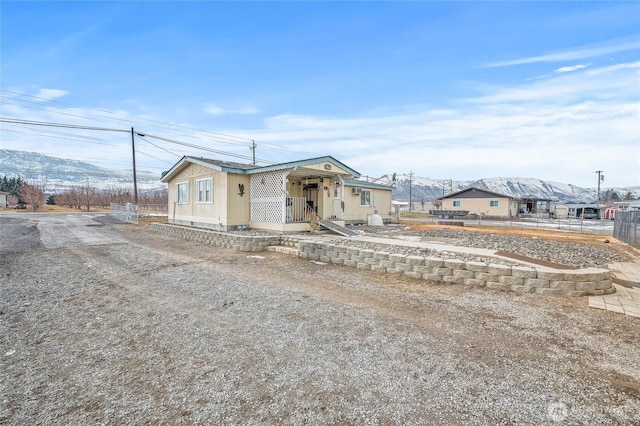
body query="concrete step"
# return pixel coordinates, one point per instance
(292, 251)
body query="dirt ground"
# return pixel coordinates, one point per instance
(110, 323)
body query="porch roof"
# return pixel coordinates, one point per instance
(302, 167)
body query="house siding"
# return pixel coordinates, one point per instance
(210, 215)
(482, 206)
(354, 212)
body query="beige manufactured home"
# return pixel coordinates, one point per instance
(481, 202)
(282, 197)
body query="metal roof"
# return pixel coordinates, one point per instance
(243, 168)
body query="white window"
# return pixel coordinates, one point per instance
(182, 192)
(456, 203)
(365, 197)
(204, 191)
(493, 203)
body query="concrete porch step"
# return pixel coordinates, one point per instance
(292, 251)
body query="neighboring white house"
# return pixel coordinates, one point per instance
(225, 196)
(3, 199)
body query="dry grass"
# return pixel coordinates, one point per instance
(146, 220)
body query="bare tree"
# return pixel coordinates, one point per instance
(87, 194)
(33, 194)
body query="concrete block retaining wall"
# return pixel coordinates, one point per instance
(581, 282)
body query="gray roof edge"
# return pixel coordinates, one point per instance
(241, 168)
(305, 162)
(477, 189)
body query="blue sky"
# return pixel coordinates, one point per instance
(451, 90)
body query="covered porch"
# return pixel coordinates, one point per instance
(534, 207)
(292, 196)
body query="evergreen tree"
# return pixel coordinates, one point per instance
(11, 185)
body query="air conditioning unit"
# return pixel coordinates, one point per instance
(356, 191)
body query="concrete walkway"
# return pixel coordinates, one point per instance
(625, 300)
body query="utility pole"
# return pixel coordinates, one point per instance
(410, 184)
(600, 179)
(253, 148)
(135, 180)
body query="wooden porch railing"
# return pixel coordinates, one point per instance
(297, 210)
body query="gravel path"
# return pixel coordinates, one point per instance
(152, 329)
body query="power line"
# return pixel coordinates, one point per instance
(202, 148)
(67, 126)
(159, 147)
(223, 135)
(216, 136)
(94, 128)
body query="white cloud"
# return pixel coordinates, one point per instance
(578, 53)
(216, 110)
(51, 94)
(572, 68)
(559, 128)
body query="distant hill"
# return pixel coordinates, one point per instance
(61, 174)
(430, 189)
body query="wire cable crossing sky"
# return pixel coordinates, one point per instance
(447, 90)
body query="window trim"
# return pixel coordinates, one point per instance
(362, 193)
(198, 200)
(456, 203)
(494, 203)
(178, 185)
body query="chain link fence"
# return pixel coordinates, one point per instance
(124, 212)
(625, 227)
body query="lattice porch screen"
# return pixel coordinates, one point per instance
(268, 197)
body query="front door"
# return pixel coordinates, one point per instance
(311, 194)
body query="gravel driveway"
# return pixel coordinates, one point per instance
(105, 323)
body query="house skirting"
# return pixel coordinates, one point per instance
(281, 227)
(206, 225)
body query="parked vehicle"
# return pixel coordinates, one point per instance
(588, 213)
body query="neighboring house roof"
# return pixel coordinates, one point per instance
(241, 168)
(474, 189)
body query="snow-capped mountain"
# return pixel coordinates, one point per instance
(61, 174)
(429, 189)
